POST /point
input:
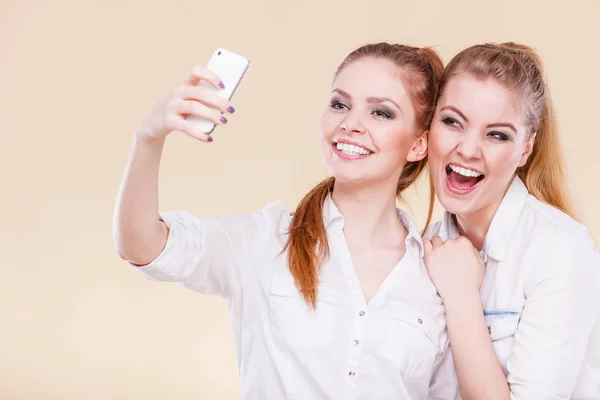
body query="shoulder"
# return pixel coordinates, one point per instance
(270, 218)
(433, 229)
(556, 231)
(409, 223)
(553, 219)
(277, 215)
(562, 246)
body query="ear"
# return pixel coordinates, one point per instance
(528, 150)
(418, 150)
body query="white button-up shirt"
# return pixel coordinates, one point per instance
(541, 298)
(394, 347)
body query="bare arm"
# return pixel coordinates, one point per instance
(138, 232)
(457, 272)
(551, 341)
(478, 370)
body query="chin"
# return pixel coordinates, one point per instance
(348, 176)
(455, 204)
(345, 171)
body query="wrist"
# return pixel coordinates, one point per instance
(463, 298)
(142, 138)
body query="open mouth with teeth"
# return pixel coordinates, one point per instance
(461, 180)
(350, 151)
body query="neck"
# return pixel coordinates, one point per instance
(475, 226)
(369, 211)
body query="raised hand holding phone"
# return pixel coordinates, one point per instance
(230, 68)
(200, 103)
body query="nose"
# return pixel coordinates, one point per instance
(352, 125)
(469, 146)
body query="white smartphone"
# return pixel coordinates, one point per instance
(231, 68)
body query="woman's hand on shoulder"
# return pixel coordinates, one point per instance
(454, 266)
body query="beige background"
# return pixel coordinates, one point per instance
(76, 77)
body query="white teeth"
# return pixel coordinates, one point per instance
(351, 149)
(464, 171)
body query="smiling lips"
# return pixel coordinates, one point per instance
(459, 179)
(348, 150)
(462, 180)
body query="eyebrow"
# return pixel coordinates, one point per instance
(370, 99)
(503, 125)
(496, 125)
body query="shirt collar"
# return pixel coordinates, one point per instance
(331, 214)
(503, 224)
(413, 230)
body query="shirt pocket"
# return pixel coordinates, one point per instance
(502, 326)
(294, 321)
(412, 341)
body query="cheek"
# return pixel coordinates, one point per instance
(388, 140)
(502, 160)
(440, 145)
(391, 136)
(329, 124)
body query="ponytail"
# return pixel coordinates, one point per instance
(307, 246)
(307, 242)
(543, 174)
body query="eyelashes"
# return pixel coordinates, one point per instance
(454, 123)
(449, 121)
(380, 113)
(337, 105)
(383, 113)
(499, 135)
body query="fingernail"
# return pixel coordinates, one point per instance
(221, 85)
(231, 110)
(210, 139)
(224, 120)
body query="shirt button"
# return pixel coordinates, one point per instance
(362, 313)
(490, 330)
(355, 342)
(352, 374)
(420, 321)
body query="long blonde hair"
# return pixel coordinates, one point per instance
(519, 68)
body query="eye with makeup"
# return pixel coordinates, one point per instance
(499, 136)
(451, 122)
(338, 105)
(381, 113)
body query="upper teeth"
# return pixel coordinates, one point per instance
(351, 149)
(464, 171)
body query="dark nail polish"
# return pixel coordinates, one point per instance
(231, 110)
(210, 139)
(224, 120)
(221, 85)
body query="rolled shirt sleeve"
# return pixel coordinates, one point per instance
(210, 256)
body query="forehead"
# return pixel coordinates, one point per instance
(483, 100)
(372, 77)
